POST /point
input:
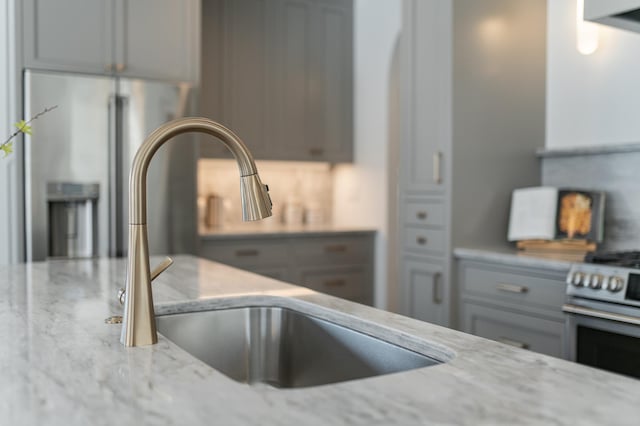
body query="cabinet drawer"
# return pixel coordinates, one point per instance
(246, 253)
(516, 329)
(332, 251)
(428, 241)
(347, 283)
(513, 286)
(424, 213)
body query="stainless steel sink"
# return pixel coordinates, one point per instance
(284, 348)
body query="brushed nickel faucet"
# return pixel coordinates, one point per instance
(139, 324)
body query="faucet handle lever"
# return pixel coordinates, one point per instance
(162, 266)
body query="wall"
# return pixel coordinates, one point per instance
(360, 190)
(10, 171)
(594, 99)
(615, 173)
(309, 184)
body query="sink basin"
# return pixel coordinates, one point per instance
(284, 348)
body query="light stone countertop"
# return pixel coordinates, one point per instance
(61, 365)
(513, 257)
(264, 229)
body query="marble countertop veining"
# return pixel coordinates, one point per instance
(60, 364)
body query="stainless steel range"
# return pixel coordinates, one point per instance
(603, 312)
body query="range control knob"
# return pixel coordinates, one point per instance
(615, 284)
(577, 279)
(596, 281)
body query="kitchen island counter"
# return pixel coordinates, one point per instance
(61, 364)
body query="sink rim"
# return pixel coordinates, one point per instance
(388, 334)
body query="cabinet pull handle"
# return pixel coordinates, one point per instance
(436, 294)
(120, 67)
(421, 215)
(337, 248)
(512, 288)
(513, 343)
(247, 252)
(335, 283)
(316, 151)
(437, 159)
(421, 240)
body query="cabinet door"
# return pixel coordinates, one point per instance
(424, 292)
(68, 35)
(426, 95)
(158, 39)
(347, 282)
(294, 117)
(513, 328)
(236, 65)
(331, 81)
(314, 79)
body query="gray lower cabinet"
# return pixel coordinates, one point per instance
(279, 73)
(340, 265)
(424, 296)
(156, 39)
(514, 328)
(517, 306)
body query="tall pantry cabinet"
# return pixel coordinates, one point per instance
(473, 111)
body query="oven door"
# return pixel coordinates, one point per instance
(603, 335)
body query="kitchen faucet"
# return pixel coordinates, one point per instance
(139, 324)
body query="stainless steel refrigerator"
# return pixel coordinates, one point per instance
(90, 139)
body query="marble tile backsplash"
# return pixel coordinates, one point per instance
(301, 192)
(616, 173)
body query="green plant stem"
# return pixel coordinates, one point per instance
(35, 117)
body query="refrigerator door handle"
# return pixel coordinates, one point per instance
(116, 178)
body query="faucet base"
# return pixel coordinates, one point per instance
(138, 304)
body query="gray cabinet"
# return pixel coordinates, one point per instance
(156, 39)
(469, 132)
(518, 306)
(513, 328)
(285, 84)
(425, 295)
(426, 94)
(340, 265)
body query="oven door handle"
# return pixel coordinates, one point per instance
(595, 313)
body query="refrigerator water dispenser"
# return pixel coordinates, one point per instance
(72, 219)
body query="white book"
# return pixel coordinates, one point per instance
(533, 214)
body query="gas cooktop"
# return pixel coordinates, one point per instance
(625, 259)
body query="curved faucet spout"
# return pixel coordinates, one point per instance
(139, 326)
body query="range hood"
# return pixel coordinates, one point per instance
(623, 14)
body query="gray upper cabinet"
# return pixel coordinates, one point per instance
(285, 84)
(156, 39)
(159, 39)
(426, 97)
(236, 69)
(68, 35)
(314, 80)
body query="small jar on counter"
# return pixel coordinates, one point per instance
(214, 212)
